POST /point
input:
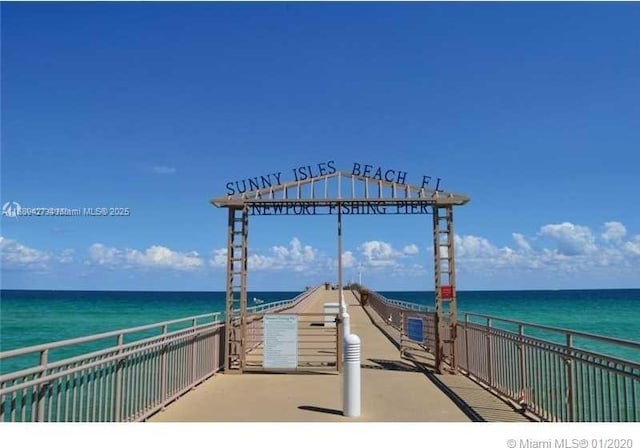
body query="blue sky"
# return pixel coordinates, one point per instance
(531, 109)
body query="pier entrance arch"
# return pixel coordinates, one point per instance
(324, 190)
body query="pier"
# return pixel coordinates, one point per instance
(177, 374)
(392, 388)
(283, 361)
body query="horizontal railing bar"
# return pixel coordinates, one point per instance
(95, 337)
(543, 344)
(38, 369)
(560, 330)
(118, 357)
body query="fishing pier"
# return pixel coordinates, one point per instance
(289, 360)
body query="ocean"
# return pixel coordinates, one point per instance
(35, 317)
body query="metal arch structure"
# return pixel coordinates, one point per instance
(338, 193)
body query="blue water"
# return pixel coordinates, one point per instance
(35, 317)
(609, 312)
(613, 312)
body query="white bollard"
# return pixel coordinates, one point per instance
(351, 380)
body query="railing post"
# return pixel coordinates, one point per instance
(194, 352)
(569, 371)
(163, 368)
(489, 364)
(522, 365)
(42, 389)
(118, 389)
(401, 332)
(466, 342)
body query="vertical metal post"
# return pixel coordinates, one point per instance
(163, 367)
(243, 286)
(489, 363)
(522, 365)
(466, 342)
(341, 307)
(229, 330)
(194, 353)
(569, 373)
(118, 389)
(402, 333)
(42, 389)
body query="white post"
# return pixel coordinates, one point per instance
(351, 379)
(346, 325)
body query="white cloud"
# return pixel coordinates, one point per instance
(14, 254)
(296, 257)
(571, 239)
(260, 262)
(295, 253)
(348, 260)
(219, 258)
(161, 169)
(66, 256)
(470, 246)
(103, 255)
(614, 231)
(153, 257)
(160, 256)
(410, 249)
(633, 246)
(521, 242)
(573, 249)
(379, 253)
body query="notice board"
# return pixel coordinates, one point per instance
(415, 329)
(280, 341)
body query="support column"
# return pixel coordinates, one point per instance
(236, 302)
(445, 287)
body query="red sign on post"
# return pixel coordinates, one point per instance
(446, 292)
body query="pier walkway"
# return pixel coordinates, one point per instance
(393, 389)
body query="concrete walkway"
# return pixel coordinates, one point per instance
(393, 390)
(478, 402)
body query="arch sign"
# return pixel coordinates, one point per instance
(322, 189)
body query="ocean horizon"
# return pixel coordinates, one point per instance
(31, 317)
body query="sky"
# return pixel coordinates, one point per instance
(530, 109)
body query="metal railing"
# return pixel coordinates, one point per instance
(122, 375)
(556, 374)
(281, 304)
(389, 309)
(542, 369)
(126, 381)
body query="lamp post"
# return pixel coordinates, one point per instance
(344, 315)
(340, 259)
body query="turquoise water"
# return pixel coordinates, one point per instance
(614, 313)
(35, 317)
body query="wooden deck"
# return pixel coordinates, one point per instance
(393, 390)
